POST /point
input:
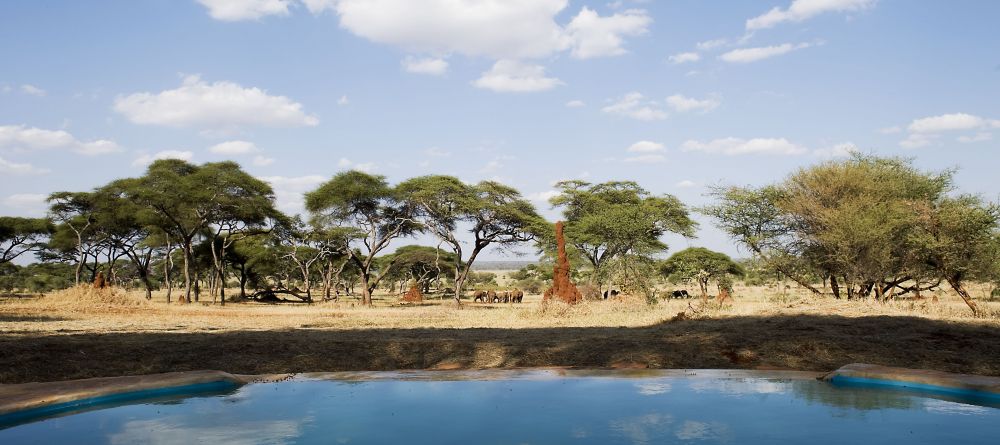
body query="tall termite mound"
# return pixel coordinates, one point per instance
(562, 288)
(413, 295)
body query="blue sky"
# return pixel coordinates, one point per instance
(675, 95)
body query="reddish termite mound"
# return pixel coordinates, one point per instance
(413, 295)
(562, 288)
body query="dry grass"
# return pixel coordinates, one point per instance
(85, 333)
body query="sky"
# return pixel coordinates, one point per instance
(675, 95)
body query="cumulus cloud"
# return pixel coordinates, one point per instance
(27, 203)
(289, 190)
(801, 10)
(843, 150)
(262, 161)
(428, 65)
(709, 45)
(680, 58)
(146, 159)
(32, 90)
(15, 168)
(542, 197)
(748, 55)
(682, 104)
(686, 184)
(508, 76)
(646, 159)
(646, 147)
(737, 146)
(343, 101)
(634, 105)
(236, 10)
(21, 137)
(231, 148)
(216, 105)
(348, 164)
(925, 131)
(947, 122)
(575, 104)
(595, 36)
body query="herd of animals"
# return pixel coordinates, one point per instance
(517, 295)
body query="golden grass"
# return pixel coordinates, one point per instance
(86, 333)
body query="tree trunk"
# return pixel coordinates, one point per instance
(703, 284)
(168, 266)
(956, 283)
(834, 286)
(187, 272)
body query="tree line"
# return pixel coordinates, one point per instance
(865, 226)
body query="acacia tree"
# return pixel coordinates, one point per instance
(116, 218)
(371, 216)
(495, 215)
(74, 211)
(701, 265)
(21, 235)
(871, 224)
(422, 264)
(616, 219)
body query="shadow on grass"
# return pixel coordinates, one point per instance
(802, 342)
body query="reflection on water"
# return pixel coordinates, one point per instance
(599, 409)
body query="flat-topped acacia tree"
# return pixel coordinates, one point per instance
(370, 215)
(21, 235)
(496, 215)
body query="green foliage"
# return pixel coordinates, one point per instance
(869, 224)
(21, 235)
(701, 265)
(618, 219)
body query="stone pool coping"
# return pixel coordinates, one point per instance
(32, 400)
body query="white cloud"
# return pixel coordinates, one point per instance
(437, 152)
(20, 137)
(318, 6)
(511, 29)
(947, 122)
(348, 164)
(596, 36)
(231, 148)
(236, 10)
(978, 137)
(575, 104)
(29, 203)
(288, 191)
(686, 184)
(15, 168)
(518, 77)
(428, 65)
(634, 105)
(646, 147)
(343, 101)
(837, 151)
(680, 58)
(646, 159)
(543, 197)
(32, 90)
(712, 44)
(916, 140)
(147, 159)
(223, 104)
(801, 10)
(684, 104)
(737, 146)
(262, 161)
(747, 55)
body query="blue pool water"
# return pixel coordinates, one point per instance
(535, 408)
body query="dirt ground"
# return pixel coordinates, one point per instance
(69, 336)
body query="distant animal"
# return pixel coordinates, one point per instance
(611, 293)
(502, 297)
(479, 295)
(516, 295)
(491, 296)
(679, 294)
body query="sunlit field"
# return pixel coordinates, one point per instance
(84, 332)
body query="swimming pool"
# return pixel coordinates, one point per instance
(530, 407)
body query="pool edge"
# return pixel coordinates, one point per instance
(925, 380)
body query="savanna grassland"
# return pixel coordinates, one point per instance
(80, 333)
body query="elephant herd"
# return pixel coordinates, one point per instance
(492, 296)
